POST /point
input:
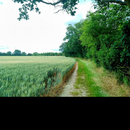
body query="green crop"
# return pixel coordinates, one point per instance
(30, 75)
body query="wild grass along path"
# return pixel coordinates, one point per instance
(88, 80)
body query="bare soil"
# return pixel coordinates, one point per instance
(69, 89)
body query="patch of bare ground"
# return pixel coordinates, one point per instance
(69, 89)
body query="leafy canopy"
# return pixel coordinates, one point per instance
(30, 5)
(65, 5)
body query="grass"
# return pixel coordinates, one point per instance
(80, 81)
(75, 93)
(81, 74)
(85, 80)
(19, 74)
(94, 88)
(110, 83)
(98, 81)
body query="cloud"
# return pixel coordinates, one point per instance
(41, 33)
(55, 49)
(83, 8)
(76, 19)
(4, 48)
(1, 3)
(84, 1)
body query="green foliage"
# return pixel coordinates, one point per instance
(23, 53)
(8, 53)
(120, 52)
(106, 36)
(73, 45)
(31, 76)
(17, 53)
(29, 54)
(30, 5)
(35, 54)
(67, 5)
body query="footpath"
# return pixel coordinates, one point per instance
(69, 89)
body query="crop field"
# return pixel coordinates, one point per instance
(32, 75)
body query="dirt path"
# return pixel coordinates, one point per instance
(69, 90)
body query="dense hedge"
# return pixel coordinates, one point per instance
(104, 36)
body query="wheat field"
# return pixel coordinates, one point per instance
(32, 75)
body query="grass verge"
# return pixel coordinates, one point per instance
(110, 84)
(94, 88)
(99, 81)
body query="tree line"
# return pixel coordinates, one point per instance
(104, 37)
(19, 53)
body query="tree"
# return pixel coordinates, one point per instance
(66, 5)
(8, 53)
(106, 36)
(100, 30)
(29, 54)
(73, 45)
(3, 54)
(125, 2)
(23, 54)
(17, 53)
(35, 54)
(29, 5)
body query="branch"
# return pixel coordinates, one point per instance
(51, 3)
(59, 10)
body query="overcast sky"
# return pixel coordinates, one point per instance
(41, 33)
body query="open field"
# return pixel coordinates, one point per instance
(32, 75)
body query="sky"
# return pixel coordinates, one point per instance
(42, 32)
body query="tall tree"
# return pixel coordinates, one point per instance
(73, 45)
(17, 53)
(23, 54)
(29, 54)
(35, 54)
(8, 53)
(106, 36)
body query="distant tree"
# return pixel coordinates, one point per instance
(8, 53)
(52, 54)
(35, 54)
(55, 54)
(29, 54)
(2, 54)
(73, 45)
(60, 54)
(42, 54)
(17, 53)
(24, 54)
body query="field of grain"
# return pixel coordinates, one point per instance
(32, 75)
